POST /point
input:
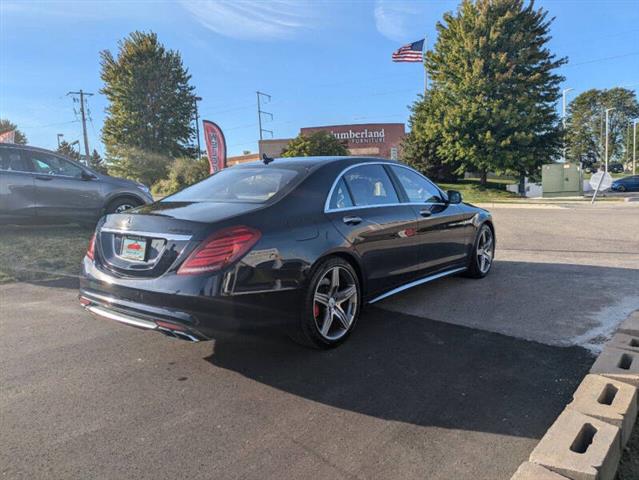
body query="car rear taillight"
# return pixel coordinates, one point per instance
(91, 248)
(219, 250)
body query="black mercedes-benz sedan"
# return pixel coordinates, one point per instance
(303, 243)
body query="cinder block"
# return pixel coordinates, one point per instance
(579, 447)
(532, 471)
(608, 400)
(625, 341)
(618, 364)
(631, 324)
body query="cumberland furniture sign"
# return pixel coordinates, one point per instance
(360, 136)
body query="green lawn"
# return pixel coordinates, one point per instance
(473, 192)
(41, 252)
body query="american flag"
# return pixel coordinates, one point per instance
(413, 52)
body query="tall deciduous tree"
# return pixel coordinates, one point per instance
(318, 143)
(151, 107)
(586, 124)
(7, 126)
(494, 88)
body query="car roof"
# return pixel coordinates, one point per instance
(28, 147)
(309, 162)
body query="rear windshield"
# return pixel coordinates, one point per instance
(245, 185)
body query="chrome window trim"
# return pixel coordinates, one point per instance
(327, 203)
(415, 283)
(138, 233)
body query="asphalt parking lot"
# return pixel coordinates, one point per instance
(457, 379)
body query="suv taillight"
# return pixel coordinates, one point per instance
(91, 248)
(219, 250)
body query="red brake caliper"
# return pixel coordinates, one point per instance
(316, 310)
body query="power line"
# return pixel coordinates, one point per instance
(600, 59)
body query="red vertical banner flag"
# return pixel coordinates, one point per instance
(215, 146)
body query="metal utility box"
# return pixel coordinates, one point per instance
(562, 180)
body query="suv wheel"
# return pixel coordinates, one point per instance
(120, 205)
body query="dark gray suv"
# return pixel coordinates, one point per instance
(40, 186)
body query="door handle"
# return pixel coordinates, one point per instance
(425, 212)
(352, 220)
(46, 178)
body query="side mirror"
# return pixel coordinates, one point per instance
(88, 176)
(454, 196)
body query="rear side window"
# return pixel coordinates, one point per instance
(341, 198)
(245, 185)
(12, 160)
(370, 185)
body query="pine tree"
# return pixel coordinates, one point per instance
(151, 107)
(494, 88)
(68, 150)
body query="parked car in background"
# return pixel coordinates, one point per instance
(304, 242)
(615, 168)
(626, 184)
(41, 186)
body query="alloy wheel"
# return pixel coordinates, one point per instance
(335, 303)
(485, 250)
(124, 207)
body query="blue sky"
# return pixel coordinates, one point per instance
(323, 62)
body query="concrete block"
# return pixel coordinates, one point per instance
(618, 364)
(579, 447)
(631, 324)
(625, 341)
(532, 471)
(608, 400)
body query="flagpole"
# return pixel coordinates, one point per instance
(424, 62)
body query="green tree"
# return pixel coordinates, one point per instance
(68, 150)
(585, 125)
(7, 125)
(97, 163)
(494, 88)
(318, 143)
(151, 107)
(419, 147)
(182, 173)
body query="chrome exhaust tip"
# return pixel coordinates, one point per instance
(178, 334)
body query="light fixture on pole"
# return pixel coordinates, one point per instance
(563, 117)
(608, 110)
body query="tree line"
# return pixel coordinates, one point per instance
(491, 105)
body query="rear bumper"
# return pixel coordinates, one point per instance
(185, 310)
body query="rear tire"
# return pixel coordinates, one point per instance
(332, 305)
(482, 254)
(120, 205)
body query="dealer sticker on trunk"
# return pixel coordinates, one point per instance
(133, 248)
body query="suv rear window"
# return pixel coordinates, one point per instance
(12, 160)
(241, 185)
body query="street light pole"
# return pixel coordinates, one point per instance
(563, 117)
(197, 127)
(634, 147)
(60, 135)
(608, 110)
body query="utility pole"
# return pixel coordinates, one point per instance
(261, 112)
(634, 147)
(83, 94)
(608, 110)
(197, 126)
(60, 135)
(563, 118)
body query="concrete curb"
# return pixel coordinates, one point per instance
(586, 440)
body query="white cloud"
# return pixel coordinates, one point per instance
(254, 19)
(395, 19)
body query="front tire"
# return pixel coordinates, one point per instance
(120, 205)
(331, 306)
(483, 253)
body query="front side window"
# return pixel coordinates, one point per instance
(12, 160)
(370, 185)
(47, 164)
(245, 185)
(417, 188)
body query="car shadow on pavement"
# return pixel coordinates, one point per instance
(408, 369)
